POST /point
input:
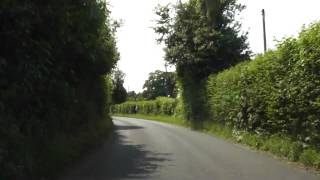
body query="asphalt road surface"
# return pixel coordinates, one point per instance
(140, 149)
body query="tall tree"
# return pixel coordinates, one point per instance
(159, 84)
(119, 93)
(197, 48)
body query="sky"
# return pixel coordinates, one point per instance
(140, 54)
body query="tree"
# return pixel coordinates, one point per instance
(210, 8)
(55, 58)
(132, 96)
(119, 93)
(159, 84)
(198, 47)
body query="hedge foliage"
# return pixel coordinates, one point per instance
(160, 106)
(277, 93)
(54, 91)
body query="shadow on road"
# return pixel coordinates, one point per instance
(119, 159)
(119, 127)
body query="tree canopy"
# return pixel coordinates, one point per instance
(191, 42)
(159, 84)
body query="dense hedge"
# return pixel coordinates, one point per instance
(54, 93)
(160, 106)
(277, 93)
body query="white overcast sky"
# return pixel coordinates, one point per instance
(140, 54)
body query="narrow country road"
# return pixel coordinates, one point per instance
(141, 149)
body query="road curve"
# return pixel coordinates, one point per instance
(141, 149)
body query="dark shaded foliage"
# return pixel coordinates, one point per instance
(54, 95)
(119, 93)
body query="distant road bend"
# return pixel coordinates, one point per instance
(141, 149)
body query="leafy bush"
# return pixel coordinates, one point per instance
(277, 93)
(310, 157)
(160, 106)
(54, 92)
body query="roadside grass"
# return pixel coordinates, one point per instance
(161, 118)
(278, 145)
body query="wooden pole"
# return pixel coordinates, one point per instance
(264, 30)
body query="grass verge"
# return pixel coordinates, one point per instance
(160, 118)
(278, 145)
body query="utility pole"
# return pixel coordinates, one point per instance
(165, 79)
(264, 30)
